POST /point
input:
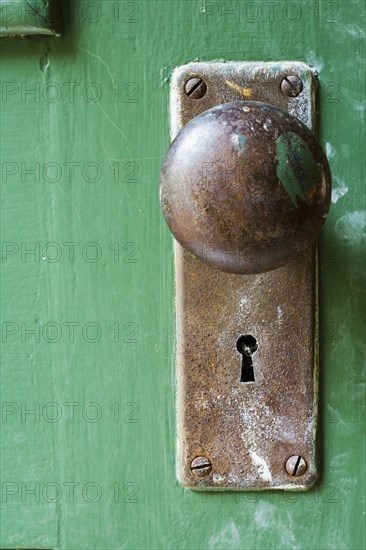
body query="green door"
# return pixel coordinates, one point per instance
(87, 380)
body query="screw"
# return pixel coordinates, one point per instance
(291, 86)
(201, 466)
(296, 466)
(195, 88)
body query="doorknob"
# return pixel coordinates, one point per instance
(245, 186)
(245, 189)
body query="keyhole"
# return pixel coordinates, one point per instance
(247, 346)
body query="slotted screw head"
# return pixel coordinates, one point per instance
(291, 86)
(195, 88)
(201, 466)
(296, 466)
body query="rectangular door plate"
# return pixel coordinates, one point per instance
(232, 434)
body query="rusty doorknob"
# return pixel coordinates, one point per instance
(245, 187)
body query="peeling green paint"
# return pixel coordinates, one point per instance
(296, 169)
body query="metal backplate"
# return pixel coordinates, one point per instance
(246, 430)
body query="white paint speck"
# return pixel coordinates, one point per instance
(264, 514)
(314, 60)
(279, 314)
(235, 140)
(338, 192)
(329, 149)
(352, 226)
(356, 31)
(228, 537)
(262, 466)
(218, 478)
(267, 124)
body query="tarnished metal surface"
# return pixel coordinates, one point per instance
(246, 431)
(245, 186)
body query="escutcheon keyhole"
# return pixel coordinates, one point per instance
(247, 346)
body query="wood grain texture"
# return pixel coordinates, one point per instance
(83, 110)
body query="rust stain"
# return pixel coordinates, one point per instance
(312, 193)
(246, 92)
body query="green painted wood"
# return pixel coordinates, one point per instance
(26, 17)
(88, 113)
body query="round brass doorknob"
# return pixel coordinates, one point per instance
(245, 186)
